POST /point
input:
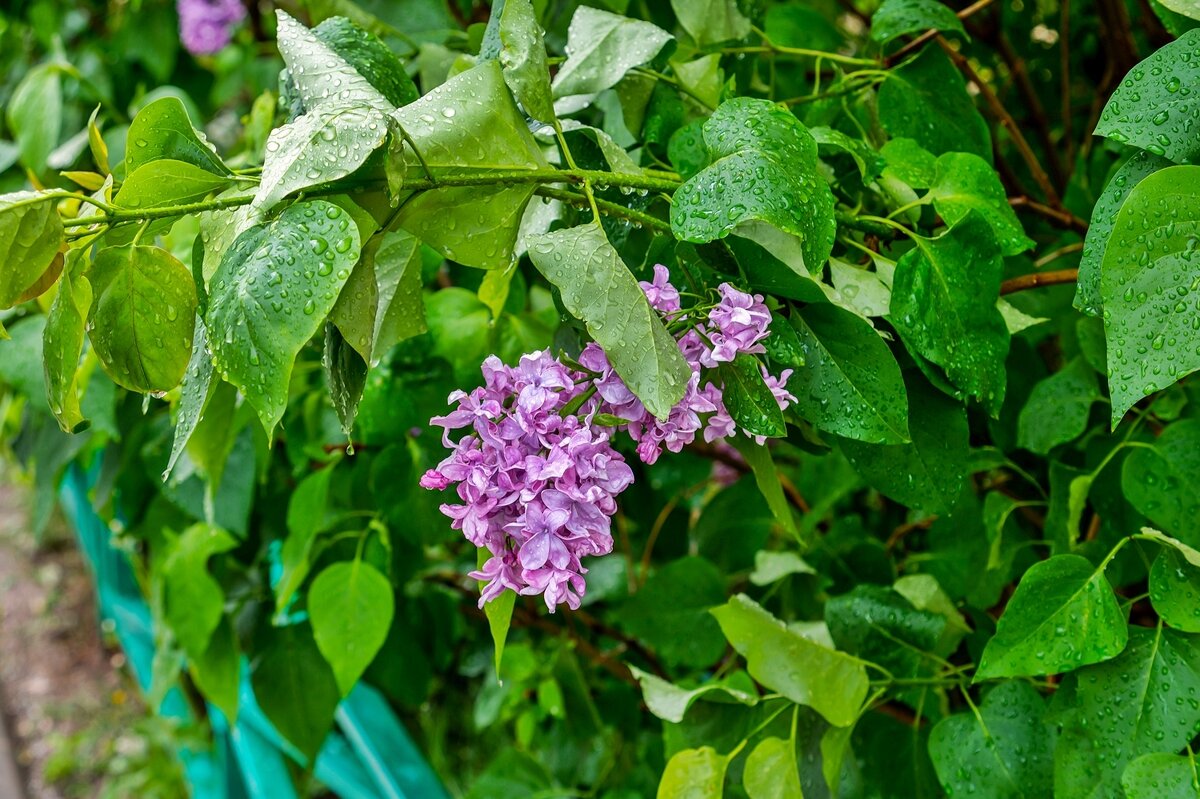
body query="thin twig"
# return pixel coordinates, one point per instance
(1035, 279)
(1064, 86)
(1054, 255)
(1037, 112)
(1061, 217)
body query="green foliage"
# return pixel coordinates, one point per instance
(929, 580)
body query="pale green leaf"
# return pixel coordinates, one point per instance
(31, 233)
(523, 56)
(62, 344)
(771, 771)
(162, 130)
(193, 600)
(711, 21)
(694, 774)
(351, 606)
(669, 702)
(321, 75)
(602, 47)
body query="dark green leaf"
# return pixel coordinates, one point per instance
(598, 288)
(1063, 615)
(305, 518)
(294, 685)
(880, 625)
(1162, 776)
(900, 17)
(217, 672)
(193, 600)
(1175, 590)
(370, 57)
(1058, 408)
(319, 73)
(143, 316)
(964, 182)
(711, 21)
(758, 456)
(523, 56)
(271, 294)
(1159, 481)
(346, 376)
(748, 399)
(670, 613)
(926, 100)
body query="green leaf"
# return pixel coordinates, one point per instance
(1162, 775)
(1152, 108)
(832, 683)
(305, 518)
(601, 48)
(926, 100)
(499, 615)
(869, 162)
(1147, 319)
(271, 294)
(142, 318)
(194, 393)
(910, 163)
(320, 75)
(1159, 480)
(1156, 679)
(694, 774)
(381, 303)
(217, 672)
(370, 57)
(598, 288)
(62, 344)
(1190, 554)
(162, 130)
(523, 56)
(324, 145)
(1063, 615)
(766, 477)
(711, 21)
(294, 685)
(193, 600)
(748, 399)
(925, 593)
(670, 612)
(964, 182)
(880, 625)
(351, 606)
(1104, 217)
(1003, 750)
(1058, 408)
(466, 126)
(31, 234)
(943, 306)
(345, 375)
(765, 162)
(850, 384)
(1175, 590)
(670, 702)
(770, 567)
(926, 473)
(771, 771)
(35, 115)
(901, 17)
(167, 182)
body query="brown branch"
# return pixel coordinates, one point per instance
(1035, 279)
(906, 528)
(1000, 113)
(789, 488)
(1060, 217)
(978, 5)
(1064, 86)
(1037, 112)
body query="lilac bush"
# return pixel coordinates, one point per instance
(206, 26)
(537, 472)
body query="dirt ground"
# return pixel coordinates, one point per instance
(60, 686)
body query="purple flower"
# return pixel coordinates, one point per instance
(206, 26)
(735, 326)
(662, 295)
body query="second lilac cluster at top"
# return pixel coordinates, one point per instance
(206, 26)
(538, 477)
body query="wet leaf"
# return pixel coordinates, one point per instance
(711, 21)
(602, 47)
(523, 56)
(62, 344)
(1159, 481)
(1058, 408)
(771, 771)
(1162, 775)
(31, 234)
(162, 130)
(320, 75)
(1175, 590)
(351, 607)
(925, 99)
(963, 183)
(694, 774)
(900, 17)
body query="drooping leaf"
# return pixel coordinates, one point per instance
(1104, 217)
(1063, 615)
(1158, 481)
(523, 56)
(217, 671)
(901, 17)
(1058, 407)
(758, 456)
(321, 75)
(1152, 108)
(351, 607)
(1157, 678)
(1006, 750)
(925, 99)
(499, 616)
(850, 383)
(1149, 265)
(943, 306)
(193, 600)
(162, 130)
(324, 145)
(598, 288)
(142, 317)
(194, 393)
(381, 303)
(62, 344)
(602, 47)
(764, 173)
(31, 234)
(964, 182)
(305, 518)
(771, 566)
(466, 126)
(345, 375)
(926, 472)
(271, 294)
(832, 683)
(294, 685)
(880, 625)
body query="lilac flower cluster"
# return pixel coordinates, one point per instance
(206, 26)
(538, 477)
